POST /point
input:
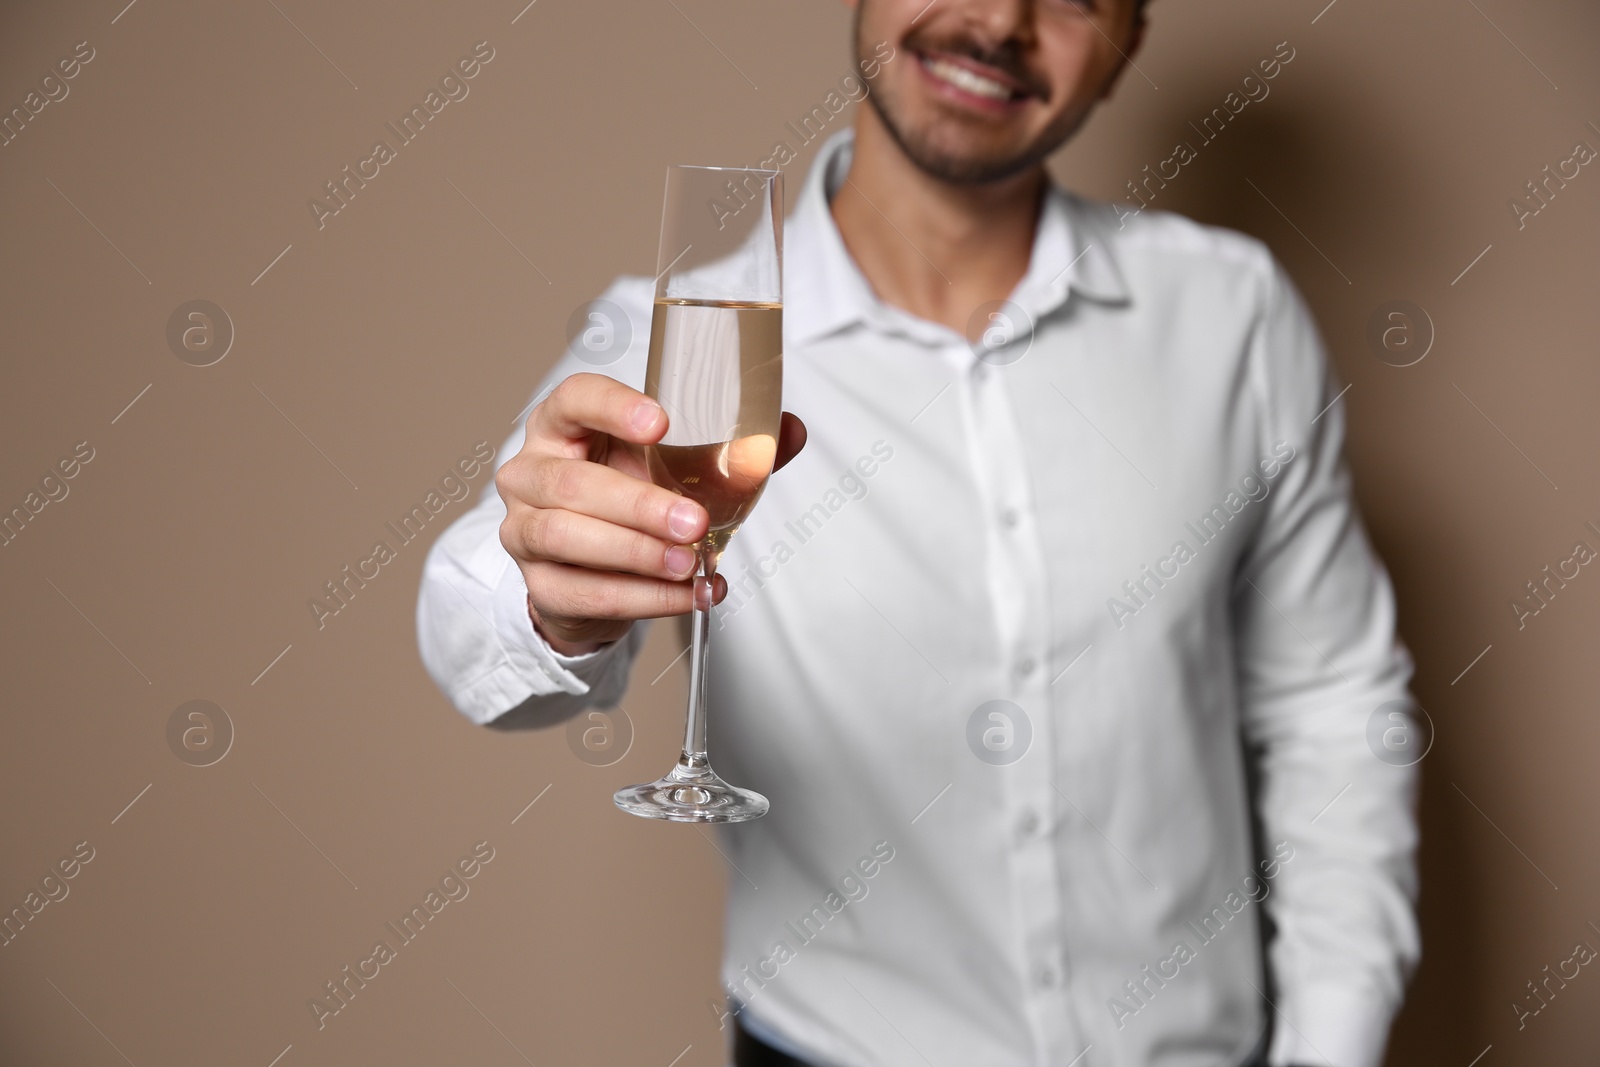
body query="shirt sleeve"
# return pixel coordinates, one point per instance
(1317, 657)
(473, 630)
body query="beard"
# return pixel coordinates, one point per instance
(938, 147)
(960, 167)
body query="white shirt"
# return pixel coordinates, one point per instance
(1131, 522)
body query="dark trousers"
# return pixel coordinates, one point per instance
(751, 1051)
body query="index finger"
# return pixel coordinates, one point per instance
(585, 403)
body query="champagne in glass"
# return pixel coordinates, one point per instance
(725, 476)
(716, 368)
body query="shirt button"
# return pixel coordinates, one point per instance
(1028, 825)
(1025, 666)
(1048, 977)
(1009, 517)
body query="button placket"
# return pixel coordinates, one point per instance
(1017, 581)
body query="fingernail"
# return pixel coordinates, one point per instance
(683, 519)
(680, 561)
(644, 415)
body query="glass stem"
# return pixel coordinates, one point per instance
(694, 760)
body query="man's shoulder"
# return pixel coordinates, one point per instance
(1171, 241)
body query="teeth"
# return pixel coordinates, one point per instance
(962, 78)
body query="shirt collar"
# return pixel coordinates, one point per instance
(826, 292)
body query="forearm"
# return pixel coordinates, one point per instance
(1346, 934)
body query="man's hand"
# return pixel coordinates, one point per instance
(600, 546)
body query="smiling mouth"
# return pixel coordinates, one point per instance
(967, 80)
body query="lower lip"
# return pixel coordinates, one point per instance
(955, 93)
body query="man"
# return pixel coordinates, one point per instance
(1054, 648)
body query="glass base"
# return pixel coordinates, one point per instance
(691, 795)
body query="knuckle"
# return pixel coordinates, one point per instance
(554, 594)
(599, 598)
(566, 482)
(650, 506)
(550, 534)
(547, 589)
(511, 538)
(538, 479)
(673, 598)
(505, 479)
(643, 555)
(570, 392)
(561, 395)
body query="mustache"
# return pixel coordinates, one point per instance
(1007, 58)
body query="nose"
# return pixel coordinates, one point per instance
(996, 22)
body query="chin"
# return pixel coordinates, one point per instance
(961, 161)
(958, 149)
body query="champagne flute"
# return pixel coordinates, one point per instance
(716, 368)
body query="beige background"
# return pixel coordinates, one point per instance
(409, 328)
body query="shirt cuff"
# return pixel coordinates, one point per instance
(1331, 1025)
(527, 666)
